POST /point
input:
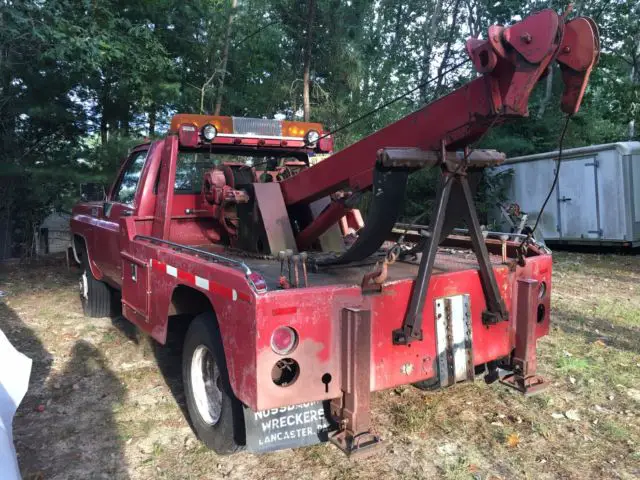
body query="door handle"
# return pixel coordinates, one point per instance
(565, 199)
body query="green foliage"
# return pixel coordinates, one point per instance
(82, 81)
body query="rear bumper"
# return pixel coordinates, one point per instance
(326, 346)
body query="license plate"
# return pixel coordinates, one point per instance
(286, 427)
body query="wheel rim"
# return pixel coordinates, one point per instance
(84, 286)
(205, 385)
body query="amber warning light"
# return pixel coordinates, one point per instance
(194, 130)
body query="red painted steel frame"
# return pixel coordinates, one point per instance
(512, 61)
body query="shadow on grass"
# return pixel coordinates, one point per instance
(64, 427)
(168, 357)
(621, 337)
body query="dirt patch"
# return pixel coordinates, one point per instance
(105, 403)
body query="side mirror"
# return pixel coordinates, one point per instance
(92, 192)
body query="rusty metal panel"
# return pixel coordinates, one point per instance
(331, 240)
(454, 339)
(275, 218)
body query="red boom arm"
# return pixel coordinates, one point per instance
(511, 62)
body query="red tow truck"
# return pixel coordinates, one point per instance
(297, 310)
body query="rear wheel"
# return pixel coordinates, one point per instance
(96, 296)
(428, 385)
(215, 413)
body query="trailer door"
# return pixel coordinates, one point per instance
(578, 206)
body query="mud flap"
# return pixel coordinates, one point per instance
(287, 427)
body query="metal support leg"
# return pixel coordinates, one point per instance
(353, 410)
(524, 362)
(412, 327)
(496, 309)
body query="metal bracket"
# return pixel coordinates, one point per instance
(496, 310)
(524, 361)
(353, 410)
(453, 340)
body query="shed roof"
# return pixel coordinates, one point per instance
(623, 148)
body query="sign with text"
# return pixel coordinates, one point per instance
(286, 427)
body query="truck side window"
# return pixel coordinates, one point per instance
(126, 190)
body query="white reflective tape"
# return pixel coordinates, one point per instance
(234, 294)
(202, 283)
(457, 330)
(173, 271)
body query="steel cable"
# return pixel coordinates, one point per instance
(396, 99)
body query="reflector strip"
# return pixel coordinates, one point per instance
(284, 311)
(251, 135)
(203, 283)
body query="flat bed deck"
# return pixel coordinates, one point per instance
(447, 260)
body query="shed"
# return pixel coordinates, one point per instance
(596, 200)
(54, 234)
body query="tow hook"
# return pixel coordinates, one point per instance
(372, 281)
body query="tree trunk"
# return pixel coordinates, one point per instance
(125, 120)
(474, 18)
(430, 31)
(548, 90)
(634, 76)
(306, 75)
(105, 111)
(225, 57)
(153, 115)
(451, 37)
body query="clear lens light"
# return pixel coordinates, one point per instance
(311, 137)
(284, 340)
(209, 132)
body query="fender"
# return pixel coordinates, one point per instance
(95, 271)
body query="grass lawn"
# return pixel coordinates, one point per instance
(104, 402)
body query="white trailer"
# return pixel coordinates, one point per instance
(596, 200)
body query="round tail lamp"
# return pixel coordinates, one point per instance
(284, 340)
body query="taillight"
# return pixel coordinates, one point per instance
(258, 282)
(284, 340)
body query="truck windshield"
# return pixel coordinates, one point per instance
(191, 166)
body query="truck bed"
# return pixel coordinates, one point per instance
(447, 260)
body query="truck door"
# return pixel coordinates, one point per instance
(119, 203)
(578, 199)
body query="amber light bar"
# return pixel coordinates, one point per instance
(250, 127)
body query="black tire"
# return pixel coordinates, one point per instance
(96, 296)
(428, 385)
(219, 423)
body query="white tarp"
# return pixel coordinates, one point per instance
(15, 369)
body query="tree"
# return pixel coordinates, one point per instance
(82, 81)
